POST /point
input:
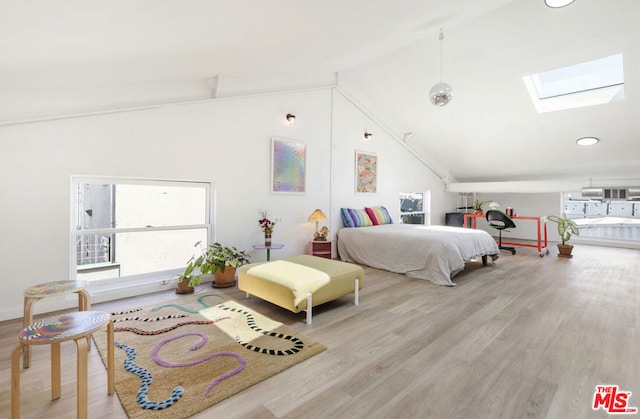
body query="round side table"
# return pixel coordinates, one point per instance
(37, 292)
(274, 246)
(77, 326)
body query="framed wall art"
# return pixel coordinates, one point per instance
(366, 172)
(288, 166)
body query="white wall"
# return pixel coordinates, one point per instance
(223, 141)
(397, 170)
(525, 204)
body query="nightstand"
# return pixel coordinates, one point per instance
(319, 248)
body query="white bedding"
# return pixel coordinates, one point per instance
(434, 253)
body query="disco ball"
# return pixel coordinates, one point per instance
(441, 94)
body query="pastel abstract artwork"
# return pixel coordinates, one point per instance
(288, 165)
(366, 172)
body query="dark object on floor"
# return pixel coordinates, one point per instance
(501, 221)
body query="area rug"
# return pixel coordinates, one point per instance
(178, 358)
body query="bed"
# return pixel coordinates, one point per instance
(434, 253)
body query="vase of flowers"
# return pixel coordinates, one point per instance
(267, 225)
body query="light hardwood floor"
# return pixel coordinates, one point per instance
(528, 337)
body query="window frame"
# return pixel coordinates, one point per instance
(586, 208)
(142, 278)
(594, 82)
(426, 207)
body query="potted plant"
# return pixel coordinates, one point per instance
(478, 206)
(219, 260)
(566, 228)
(184, 280)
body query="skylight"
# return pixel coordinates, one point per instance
(590, 83)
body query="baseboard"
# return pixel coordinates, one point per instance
(626, 244)
(99, 294)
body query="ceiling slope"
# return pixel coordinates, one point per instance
(74, 57)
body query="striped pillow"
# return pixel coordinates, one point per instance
(379, 215)
(352, 217)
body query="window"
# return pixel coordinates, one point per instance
(590, 83)
(414, 208)
(135, 228)
(613, 218)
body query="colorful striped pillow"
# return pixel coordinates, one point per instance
(352, 217)
(379, 215)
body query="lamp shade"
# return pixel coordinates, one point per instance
(317, 215)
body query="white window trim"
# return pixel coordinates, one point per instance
(589, 83)
(121, 287)
(426, 208)
(598, 241)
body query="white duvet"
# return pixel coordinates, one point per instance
(434, 253)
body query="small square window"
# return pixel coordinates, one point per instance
(414, 207)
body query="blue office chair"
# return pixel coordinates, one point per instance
(501, 221)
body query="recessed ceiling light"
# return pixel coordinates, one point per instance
(587, 141)
(557, 3)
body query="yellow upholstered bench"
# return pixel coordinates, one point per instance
(301, 282)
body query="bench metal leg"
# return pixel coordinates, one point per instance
(309, 308)
(356, 292)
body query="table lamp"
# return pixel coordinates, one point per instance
(316, 216)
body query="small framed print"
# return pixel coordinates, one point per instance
(366, 172)
(288, 166)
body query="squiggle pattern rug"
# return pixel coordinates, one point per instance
(198, 350)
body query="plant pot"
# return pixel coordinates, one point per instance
(226, 279)
(183, 287)
(478, 212)
(565, 250)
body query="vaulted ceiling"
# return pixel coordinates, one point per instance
(75, 56)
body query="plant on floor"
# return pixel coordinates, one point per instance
(214, 258)
(566, 228)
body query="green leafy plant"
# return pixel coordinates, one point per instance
(216, 256)
(566, 227)
(478, 205)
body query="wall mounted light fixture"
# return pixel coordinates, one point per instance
(554, 4)
(291, 119)
(367, 136)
